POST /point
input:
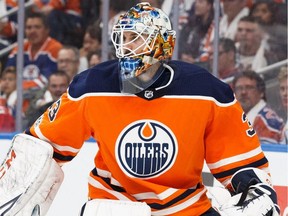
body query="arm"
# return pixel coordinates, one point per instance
(236, 159)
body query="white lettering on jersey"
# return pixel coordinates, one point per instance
(146, 149)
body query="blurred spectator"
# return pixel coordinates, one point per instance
(116, 8)
(184, 6)
(233, 10)
(7, 121)
(90, 11)
(94, 58)
(65, 20)
(227, 66)
(9, 92)
(7, 24)
(3, 21)
(8, 88)
(264, 11)
(92, 42)
(283, 92)
(57, 85)
(7, 99)
(251, 44)
(281, 14)
(197, 34)
(249, 90)
(40, 52)
(68, 60)
(277, 44)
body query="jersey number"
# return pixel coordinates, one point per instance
(53, 110)
(250, 132)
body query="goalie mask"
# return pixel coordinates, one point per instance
(143, 40)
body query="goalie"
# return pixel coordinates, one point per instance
(156, 121)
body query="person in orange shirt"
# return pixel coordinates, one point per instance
(40, 52)
(8, 24)
(156, 121)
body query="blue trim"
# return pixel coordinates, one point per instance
(7, 135)
(274, 148)
(265, 147)
(91, 139)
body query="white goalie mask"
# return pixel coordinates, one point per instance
(143, 39)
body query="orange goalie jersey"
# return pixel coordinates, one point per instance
(152, 146)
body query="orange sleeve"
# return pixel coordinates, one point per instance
(9, 29)
(64, 125)
(223, 153)
(53, 47)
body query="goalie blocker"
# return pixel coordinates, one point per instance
(29, 177)
(253, 195)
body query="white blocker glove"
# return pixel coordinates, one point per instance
(254, 195)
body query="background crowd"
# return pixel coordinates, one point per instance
(64, 38)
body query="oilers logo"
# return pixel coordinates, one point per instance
(146, 149)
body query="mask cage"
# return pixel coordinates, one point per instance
(140, 32)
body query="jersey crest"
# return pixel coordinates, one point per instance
(31, 72)
(146, 149)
